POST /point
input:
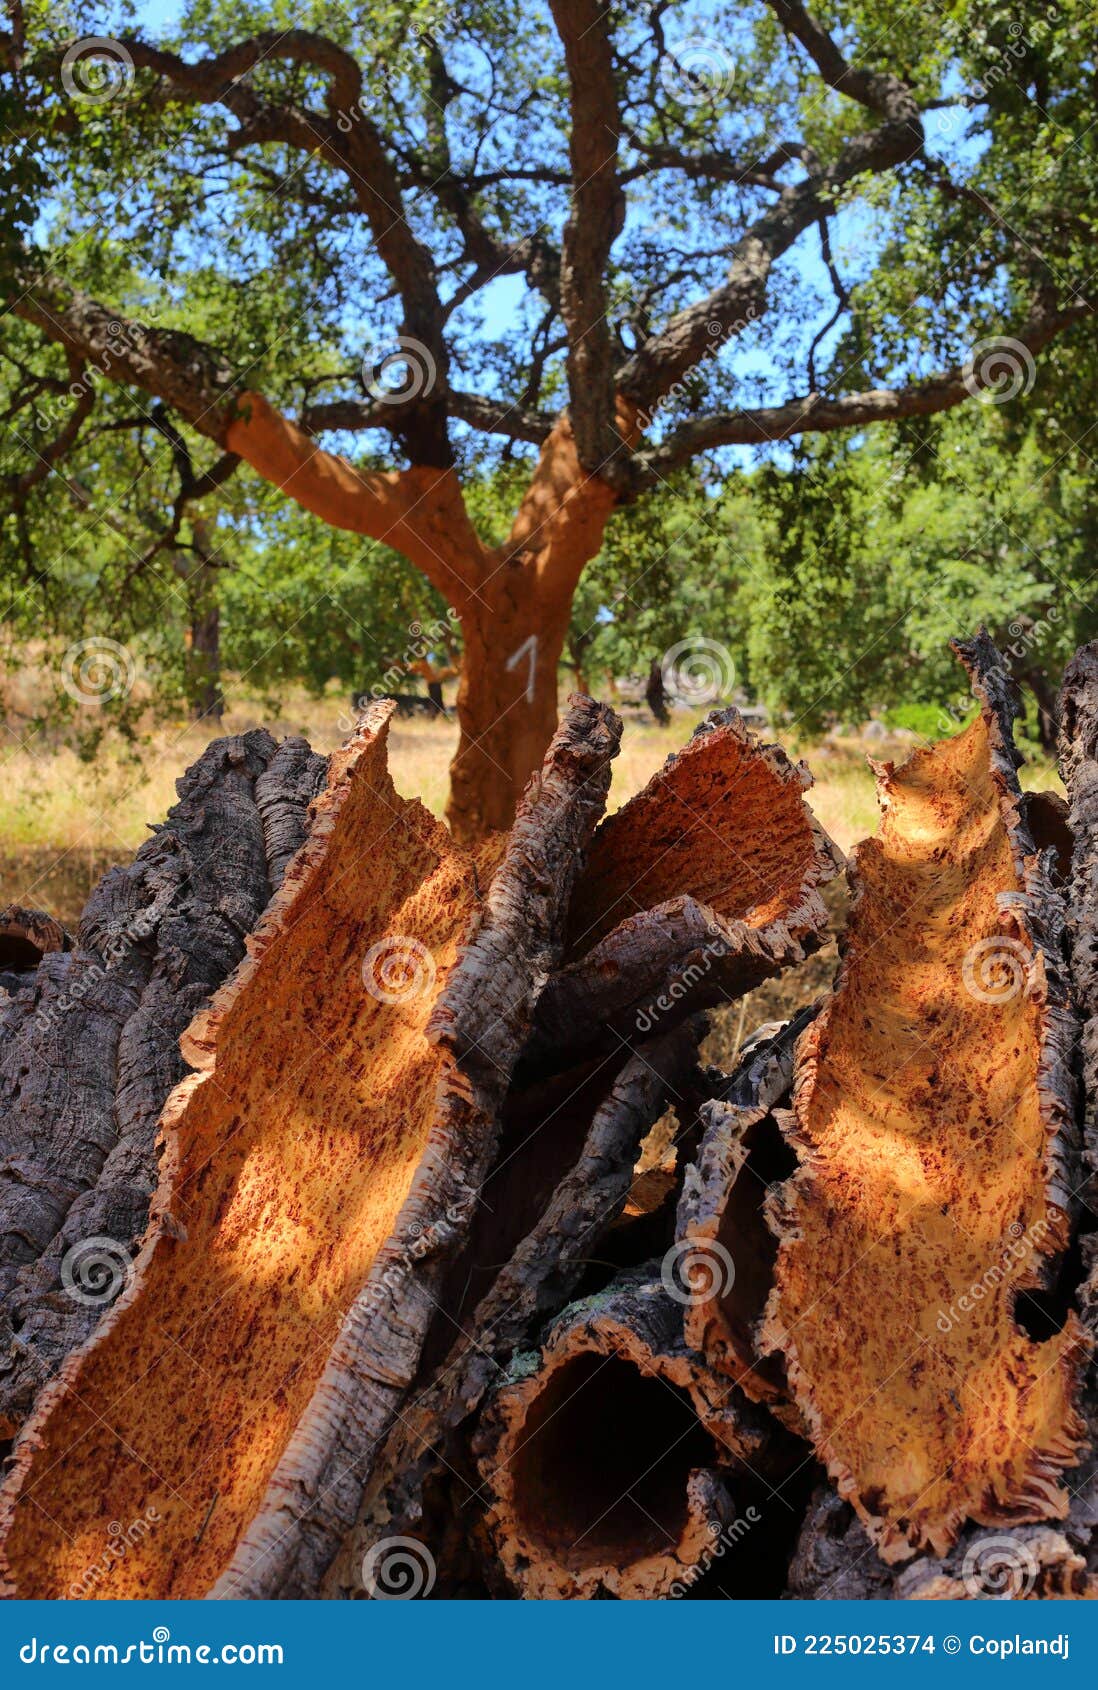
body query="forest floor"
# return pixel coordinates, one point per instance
(64, 821)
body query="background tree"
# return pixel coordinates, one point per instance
(600, 233)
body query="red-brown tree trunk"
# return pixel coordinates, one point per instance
(506, 704)
(514, 600)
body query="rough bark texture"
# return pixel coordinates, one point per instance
(702, 886)
(728, 1247)
(562, 1176)
(89, 1043)
(934, 1128)
(1079, 768)
(600, 1453)
(315, 1171)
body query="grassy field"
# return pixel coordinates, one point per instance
(63, 822)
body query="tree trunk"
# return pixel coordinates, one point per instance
(204, 662)
(506, 705)
(1045, 700)
(656, 695)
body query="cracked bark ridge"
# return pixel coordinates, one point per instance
(1079, 769)
(606, 1455)
(699, 888)
(89, 1045)
(934, 1128)
(564, 1171)
(316, 1169)
(728, 1247)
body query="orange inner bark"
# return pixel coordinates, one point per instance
(924, 1169)
(292, 1158)
(718, 823)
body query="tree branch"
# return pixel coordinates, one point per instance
(881, 93)
(418, 511)
(814, 414)
(700, 330)
(347, 139)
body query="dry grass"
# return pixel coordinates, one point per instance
(63, 822)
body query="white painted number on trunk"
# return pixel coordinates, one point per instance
(527, 648)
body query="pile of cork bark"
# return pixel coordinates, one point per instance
(370, 1225)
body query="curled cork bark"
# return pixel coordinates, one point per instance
(25, 938)
(89, 1042)
(562, 1176)
(934, 1126)
(601, 1454)
(314, 1170)
(698, 889)
(1079, 768)
(298, 1543)
(728, 1247)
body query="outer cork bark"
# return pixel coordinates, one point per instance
(600, 1454)
(90, 1028)
(722, 1216)
(563, 1174)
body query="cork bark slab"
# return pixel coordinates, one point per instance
(600, 1453)
(1079, 768)
(934, 1125)
(703, 885)
(313, 1168)
(729, 1249)
(562, 1176)
(89, 1040)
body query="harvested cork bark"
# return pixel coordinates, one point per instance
(601, 1455)
(728, 1246)
(934, 1128)
(698, 889)
(562, 1176)
(25, 938)
(89, 1041)
(1079, 769)
(315, 1170)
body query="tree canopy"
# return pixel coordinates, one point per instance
(371, 259)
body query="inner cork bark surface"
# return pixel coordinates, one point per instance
(924, 1141)
(292, 1157)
